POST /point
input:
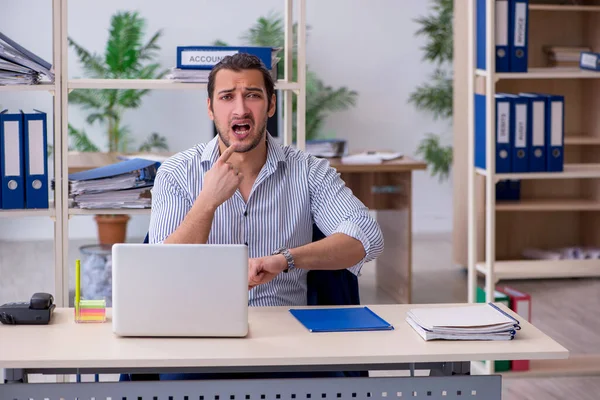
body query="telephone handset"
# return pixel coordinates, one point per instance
(37, 311)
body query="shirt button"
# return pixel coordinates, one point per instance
(246, 243)
(245, 213)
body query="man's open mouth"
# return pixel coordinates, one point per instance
(241, 128)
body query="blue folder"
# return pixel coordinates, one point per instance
(340, 319)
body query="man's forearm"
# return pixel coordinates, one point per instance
(337, 251)
(196, 225)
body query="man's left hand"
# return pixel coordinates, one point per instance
(265, 269)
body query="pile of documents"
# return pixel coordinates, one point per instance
(126, 184)
(370, 157)
(470, 322)
(561, 56)
(327, 147)
(19, 66)
(194, 63)
(565, 253)
(189, 75)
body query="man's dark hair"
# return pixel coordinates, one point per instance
(239, 62)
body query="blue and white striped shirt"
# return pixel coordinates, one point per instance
(292, 190)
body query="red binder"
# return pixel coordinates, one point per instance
(521, 304)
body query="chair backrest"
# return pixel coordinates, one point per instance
(327, 287)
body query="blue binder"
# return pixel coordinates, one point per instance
(554, 131)
(35, 154)
(503, 27)
(519, 35)
(537, 128)
(502, 133)
(206, 57)
(11, 160)
(344, 319)
(145, 168)
(508, 190)
(519, 134)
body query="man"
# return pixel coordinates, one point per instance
(244, 187)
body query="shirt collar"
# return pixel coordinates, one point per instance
(275, 154)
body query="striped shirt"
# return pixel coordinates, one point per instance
(292, 191)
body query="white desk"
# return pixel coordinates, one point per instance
(276, 342)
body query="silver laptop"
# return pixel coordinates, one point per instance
(194, 290)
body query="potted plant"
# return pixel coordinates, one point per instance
(321, 100)
(436, 97)
(125, 57)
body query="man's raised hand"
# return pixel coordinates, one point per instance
(221, 181)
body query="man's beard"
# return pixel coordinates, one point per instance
(260, 134)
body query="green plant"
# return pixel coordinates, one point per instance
(436, 96)
(321, 99)
(125, 57)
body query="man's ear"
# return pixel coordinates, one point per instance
(209, 108)
(272, 106)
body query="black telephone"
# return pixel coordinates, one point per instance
(38, 311)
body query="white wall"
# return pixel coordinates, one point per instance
(372, 49)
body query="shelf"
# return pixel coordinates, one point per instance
(548, 205)
(575, 365)
(545, 73)
(42, 87)
(571, 171)
(567, 7)
(542, 269)
(161, 84)
(129, 211)
(46, 212)
(582, 140)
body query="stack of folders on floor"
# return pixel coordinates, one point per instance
(529, 132)
(194, 63)
(126, 184)
(470, 322)
(19, 66)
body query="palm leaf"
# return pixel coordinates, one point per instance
(267, 31)
(436, 97)
(89, 98)
(437, 156)
(92, 63)
(438, 30)
(154, 141)
(124, 42)
(80, 140)
(148, 51)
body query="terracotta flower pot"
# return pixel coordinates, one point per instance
(112, 228)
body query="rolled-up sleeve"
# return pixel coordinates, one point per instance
(335, 209)
(170, 205)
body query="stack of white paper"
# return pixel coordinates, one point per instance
(472, 322)
(19, 66)
(126, 184)
(129, 198)
(371, 157)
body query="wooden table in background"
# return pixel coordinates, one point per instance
(385, 188)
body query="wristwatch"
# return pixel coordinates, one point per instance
(288, 256)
